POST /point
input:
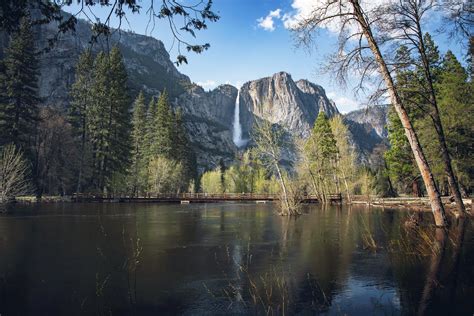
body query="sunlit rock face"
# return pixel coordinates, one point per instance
(374, 116)
(146, 59)
(209, 118)
(280, 100)
(209, 115)
(368, 132)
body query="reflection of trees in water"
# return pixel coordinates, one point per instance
(305, 262)
(426, 275)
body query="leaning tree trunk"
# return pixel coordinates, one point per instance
(448, 169)
(433, 193)
(283, 187)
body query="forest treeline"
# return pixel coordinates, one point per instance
(103, 143)
(107, 143)
(326, 162)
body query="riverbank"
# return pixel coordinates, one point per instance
(419, 203)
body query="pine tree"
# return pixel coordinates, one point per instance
(120, 111)
(399, 158)
(182, 148)
(150, 129)
(79, 110)
(162, 143)
(402, 169)
(321, 153)
(455, 101)
(110, 119)
(98, 118)
(19, 103)
(139, 131)
(324, 138)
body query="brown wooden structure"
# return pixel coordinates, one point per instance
(197, 198)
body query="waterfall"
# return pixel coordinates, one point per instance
(237, 127)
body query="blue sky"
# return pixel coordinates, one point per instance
(250, 41)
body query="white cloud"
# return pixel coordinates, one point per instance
(208, 84)
(343, 103)
(275, 13)
(267, 23)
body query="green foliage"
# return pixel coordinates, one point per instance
(165, 175)
(247, 175)
(453, 93)
(18, 89)
(455, 99)
(161, 131)
(137, 173)
(402, 168)
(101, 116)
(211, 182)
(320, 157)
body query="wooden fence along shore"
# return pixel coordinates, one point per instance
(185, 198)
(198, 198)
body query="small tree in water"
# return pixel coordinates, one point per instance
(14, 172)
(269, 141)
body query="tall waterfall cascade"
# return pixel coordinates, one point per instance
(237, 127)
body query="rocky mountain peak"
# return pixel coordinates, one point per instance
(281, 100)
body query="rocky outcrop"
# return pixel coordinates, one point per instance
(368, 132)
(208, 118)
(208, 115)
(375, 116)
(147, 61)
(280, 100)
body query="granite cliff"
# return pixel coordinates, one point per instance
(209, 115)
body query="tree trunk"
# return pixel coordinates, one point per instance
(415, 188)
(433, 193)
(448, 169)
(348, 193)
(283, 187)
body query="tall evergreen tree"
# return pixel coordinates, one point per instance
(182, 148)
(79, 111)
(150, 128)
(402, 169)
(163, 142)
(19, 100)
(120, 113)
(110, 119)
(321, 152)
(455, 95)
(429, 60)
(399, 158)
(139, 131)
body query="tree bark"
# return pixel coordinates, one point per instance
(283, 186)
(433, 193)
(448, 169)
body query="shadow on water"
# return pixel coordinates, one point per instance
(231, 259)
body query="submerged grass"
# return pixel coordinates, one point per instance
(270, 293)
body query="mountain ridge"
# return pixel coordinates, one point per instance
(208, 114)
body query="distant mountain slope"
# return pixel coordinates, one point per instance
(368, 129)
(208, 114)
(375, 116)
(280, 100)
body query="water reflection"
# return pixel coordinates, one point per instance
(228, 258)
